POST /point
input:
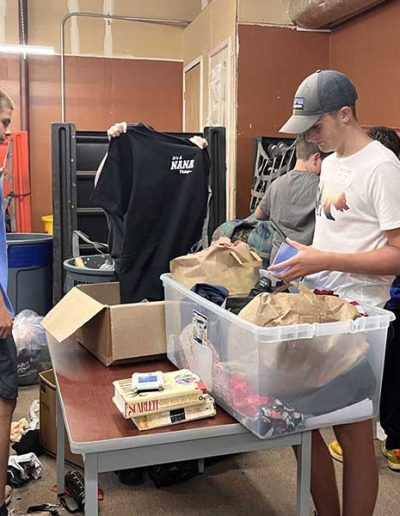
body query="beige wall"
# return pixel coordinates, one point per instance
(127, 39)
(9, 22)
(275, 12)
(215, 25)
(84, 36)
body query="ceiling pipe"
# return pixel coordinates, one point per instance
(323, 14)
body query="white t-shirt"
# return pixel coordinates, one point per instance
(358, 199)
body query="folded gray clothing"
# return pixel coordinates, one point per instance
(351, 387)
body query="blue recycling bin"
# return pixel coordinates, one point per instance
(30, 268)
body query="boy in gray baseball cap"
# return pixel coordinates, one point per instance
(322, 92)
(355, 252)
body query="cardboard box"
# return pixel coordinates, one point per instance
(111, 331)
(48, 432)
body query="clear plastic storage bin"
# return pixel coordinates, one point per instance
(279, 380)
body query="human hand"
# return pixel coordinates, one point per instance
(6, 322)
(117, 129)
(199, 141)
(307, 261)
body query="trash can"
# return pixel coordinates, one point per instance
(88, 269)
(30, 258)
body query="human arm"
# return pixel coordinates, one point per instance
(382, 194)
(99, 170)
(383, 261)
(114, 131)
(259, 214)
(6, 322)
(263, 209)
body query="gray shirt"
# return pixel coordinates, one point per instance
(289, 203)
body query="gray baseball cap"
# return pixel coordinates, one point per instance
(321, 92)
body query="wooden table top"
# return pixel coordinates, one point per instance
(86, 390)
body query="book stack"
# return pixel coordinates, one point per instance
(183, 398)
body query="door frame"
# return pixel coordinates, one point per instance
(231, 115)
(198, 61)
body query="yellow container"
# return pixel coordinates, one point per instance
(48, 224)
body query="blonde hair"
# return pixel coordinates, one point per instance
(5, 101)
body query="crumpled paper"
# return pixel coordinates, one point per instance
(34, 414)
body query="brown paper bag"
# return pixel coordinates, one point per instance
(300, 365)
(281, 309)
(233, 266)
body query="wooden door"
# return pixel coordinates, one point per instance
(192, 99)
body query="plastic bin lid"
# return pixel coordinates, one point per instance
(28, 238)
(92, 264)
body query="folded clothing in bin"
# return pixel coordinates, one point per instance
(347, 389)
(295, 366)
(214, 293)
(278, 380)
(266, 415)
(290, 389)
(300, 365)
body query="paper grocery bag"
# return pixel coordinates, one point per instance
(281, 309)
(233, 266)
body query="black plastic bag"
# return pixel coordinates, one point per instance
(169, 474)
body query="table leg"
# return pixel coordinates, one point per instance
(304, 475)
(200, 464)
(91, 485)
(60, 447)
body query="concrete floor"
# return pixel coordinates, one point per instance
(260, 483)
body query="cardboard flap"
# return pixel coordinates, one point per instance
(74, 310)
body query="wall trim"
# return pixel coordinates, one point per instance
(138, 58)
(283, 26)
(198, 61)
(230, 121)
(219, 47)
(268, 24)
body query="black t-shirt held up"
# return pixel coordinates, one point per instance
(157, 184)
